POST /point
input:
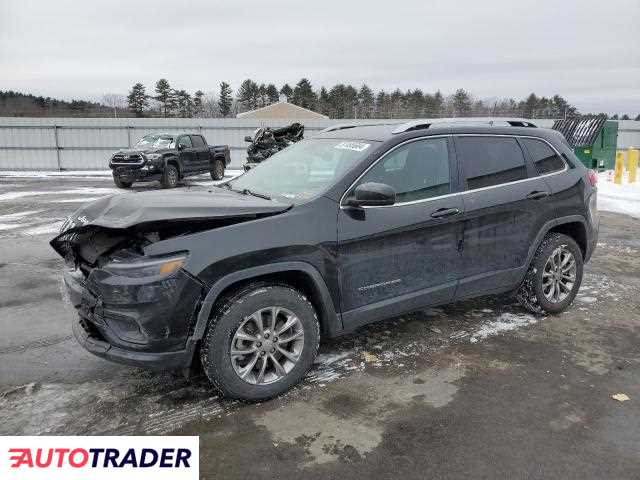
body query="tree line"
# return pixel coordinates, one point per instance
(339, 101)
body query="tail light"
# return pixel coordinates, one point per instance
(592, 176)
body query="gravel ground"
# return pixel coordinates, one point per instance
(476, 389)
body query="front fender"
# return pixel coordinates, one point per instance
(331, 320)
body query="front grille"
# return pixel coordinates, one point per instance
(127, 159)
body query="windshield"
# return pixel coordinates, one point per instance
(305, 169)
(154, 141)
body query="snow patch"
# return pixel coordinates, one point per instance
(587, 299)
(504, 323)
(44, 229)
(623, 198)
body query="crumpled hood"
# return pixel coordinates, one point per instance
(134, 209)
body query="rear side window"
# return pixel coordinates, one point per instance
(488, 161)
(197, 141)
(545, 159)
(416, 171)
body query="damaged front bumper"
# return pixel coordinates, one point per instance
(136, 321)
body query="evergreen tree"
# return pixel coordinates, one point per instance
(263, 99)
(225, 100)
(461, 103)
(324, 104)
(303, 94)
(287, 91)
(381, 104)
(366, 101)
(248, 94)
(137, 99)
(163, 94)
(637, 119)
(625, 117)
(198, 103)
(184, 103)
(272, 93)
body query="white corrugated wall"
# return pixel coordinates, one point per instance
(87, 143)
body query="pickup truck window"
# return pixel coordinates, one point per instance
(198, 142)
(154, 141)
(184, 141)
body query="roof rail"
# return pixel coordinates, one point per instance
(344, 126)
(423, 124)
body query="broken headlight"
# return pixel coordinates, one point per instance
(125, 264)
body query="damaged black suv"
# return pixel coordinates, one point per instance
(358, 224)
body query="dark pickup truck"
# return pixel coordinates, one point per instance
(168, 158)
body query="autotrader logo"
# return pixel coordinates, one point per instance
(51, 457)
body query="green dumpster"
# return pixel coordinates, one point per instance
(593, 139)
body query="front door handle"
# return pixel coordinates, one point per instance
(445, 212)
(537, 195)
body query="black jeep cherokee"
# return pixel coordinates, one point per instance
(355, 225)
(168, 158)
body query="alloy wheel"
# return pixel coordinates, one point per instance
(559, 275)
(267, 345)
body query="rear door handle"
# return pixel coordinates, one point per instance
(445, 212)
(537, 195)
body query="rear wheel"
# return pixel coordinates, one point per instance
(217, 173)
(121, 183)
(169, 177)
(554, 277)
(261, 342)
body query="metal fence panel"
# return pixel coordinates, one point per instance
(87, 143)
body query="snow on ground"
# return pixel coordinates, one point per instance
(55, 173)
(504, 323)
(624, 198)
(76, 191)
(80, 173)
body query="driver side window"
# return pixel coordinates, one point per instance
(184, 141)
(416, 171)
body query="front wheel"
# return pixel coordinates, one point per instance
(217, 173)
(169, 177)
(261, 342)
(554, 277)
(121, 183)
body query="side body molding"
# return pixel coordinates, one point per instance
(332, 321)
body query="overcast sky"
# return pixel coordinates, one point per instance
(587, 51)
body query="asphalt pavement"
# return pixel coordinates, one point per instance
(478, 389)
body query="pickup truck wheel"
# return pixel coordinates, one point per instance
(121, 183)
(554, 277)
(169, 177)
(217, 173)
(260, 342)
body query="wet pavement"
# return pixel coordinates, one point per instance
(478, 389)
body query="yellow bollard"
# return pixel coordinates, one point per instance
(617, 173)
(632, 163)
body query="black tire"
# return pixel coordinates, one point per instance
(215, 354)
(531, 293)
(170, 176)
(217, 173)
(121, 183)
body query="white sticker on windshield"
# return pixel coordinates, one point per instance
(356, 146)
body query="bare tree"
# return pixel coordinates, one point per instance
(115, 101)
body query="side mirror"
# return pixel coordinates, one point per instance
(181, 146)
(248, 138)
(372, 194)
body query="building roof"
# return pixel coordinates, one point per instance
(283, 110)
